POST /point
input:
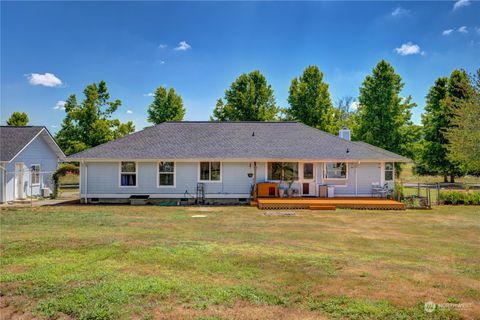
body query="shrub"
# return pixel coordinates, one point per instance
(452, 197)
(456, 197)
(472, 197)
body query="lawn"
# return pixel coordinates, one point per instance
(108, 262)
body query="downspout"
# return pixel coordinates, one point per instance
(356, 179)
(254, 181)
(86, 181)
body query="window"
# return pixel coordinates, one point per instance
(336, 170)
(308, 171)
(166, 174)
(35, 174)
(282, 171)
(210, 171)
(388, 171)
(128, 174)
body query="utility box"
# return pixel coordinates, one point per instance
(331, 191)
(46, 192)
(322, 191)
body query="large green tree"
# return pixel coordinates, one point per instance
(383, 115)
(166, 106)
(89, 123)
(443, 98)
(464, 133)
(249, 98)
(310, 101)
(18, 119)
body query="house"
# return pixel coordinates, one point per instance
(28, 157)
(180, 162)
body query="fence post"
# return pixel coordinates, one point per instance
(438, 193)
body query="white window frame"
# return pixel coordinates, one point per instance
(174, 175)
(325, 171)
(120, 174)
(210, 172)
(385, 170)
(283, 173)
(32, 174)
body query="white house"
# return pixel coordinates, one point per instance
(28, 157)
(180, 161)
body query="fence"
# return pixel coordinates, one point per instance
(430, 192)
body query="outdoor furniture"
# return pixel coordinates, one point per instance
(381, 192)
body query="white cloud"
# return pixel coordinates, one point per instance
(46, 79)
(53, 126)
(162, 46)
(463, 29)
(59, 105)
(477, 29)
(129, 111)
(183, 46)
(150, 94)
(460, 4)
(408, 49)
(447, 32)
(399, 11)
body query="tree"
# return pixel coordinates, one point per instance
(384, 116)
(88, 124)
(249, 98)
(463, 135)
(166, 106)
(310, 101)
(18, 119)
(443, 98)
(344, 114)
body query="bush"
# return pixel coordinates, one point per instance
(458, 197)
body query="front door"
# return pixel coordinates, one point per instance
(307, 179)
(19, 181)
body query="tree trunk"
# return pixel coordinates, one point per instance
(445, 179)
(452, 177)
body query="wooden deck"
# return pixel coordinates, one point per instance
(328, 203)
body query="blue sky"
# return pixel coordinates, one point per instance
(50, 50)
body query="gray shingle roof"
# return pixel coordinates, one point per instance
(13, 139)
(235, 140)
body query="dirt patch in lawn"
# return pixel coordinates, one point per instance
(239, 311)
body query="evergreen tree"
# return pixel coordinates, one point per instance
(383, 115)
(249, 98)
(444, 97)
(310, 101)
(166, 106)
(463, 135)
(18, 119)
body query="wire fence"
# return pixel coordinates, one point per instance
(426, 194)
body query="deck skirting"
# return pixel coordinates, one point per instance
(329, 203)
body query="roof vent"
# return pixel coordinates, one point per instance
(344, 134)
(253, 134)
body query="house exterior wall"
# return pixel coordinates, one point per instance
(37, 152)
(102, 180)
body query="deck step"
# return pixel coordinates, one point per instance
(253, 203)
(317, 207)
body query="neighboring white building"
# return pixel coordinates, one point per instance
(168, 162)
(28, 157)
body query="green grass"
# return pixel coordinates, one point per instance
(109, 262)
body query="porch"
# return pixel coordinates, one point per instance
(328, 203)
